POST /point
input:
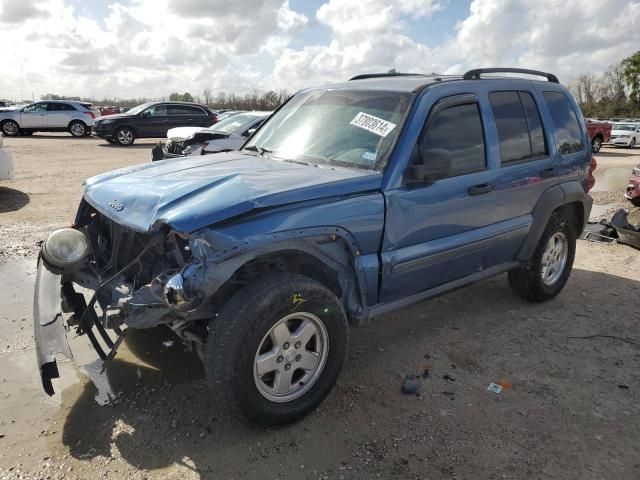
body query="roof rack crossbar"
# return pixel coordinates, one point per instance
(364, 76)
(475, 73)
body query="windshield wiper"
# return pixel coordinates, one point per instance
(261, 150)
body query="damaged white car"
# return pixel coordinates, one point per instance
(226, 135)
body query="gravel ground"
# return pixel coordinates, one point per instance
(572, 409)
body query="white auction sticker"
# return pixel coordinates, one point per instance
(373, 124)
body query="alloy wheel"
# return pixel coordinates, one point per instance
(10, 128)
(291, 357)
(554, 258)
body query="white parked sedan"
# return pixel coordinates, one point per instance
(625, 134)
(6, 162)
(227, 134)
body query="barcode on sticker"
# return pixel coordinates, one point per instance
(373, 124)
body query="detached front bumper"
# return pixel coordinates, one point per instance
(52, 300)
(48, 325)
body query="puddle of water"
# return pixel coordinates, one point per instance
(613, 179)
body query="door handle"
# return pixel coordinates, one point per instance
(480, 189)
(548, 172)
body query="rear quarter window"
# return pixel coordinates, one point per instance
(567, 129)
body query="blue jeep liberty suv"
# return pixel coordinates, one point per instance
(351, 201)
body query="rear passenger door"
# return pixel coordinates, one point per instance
(446, 228)
(59, 114)
(526, 167)
(187, 116)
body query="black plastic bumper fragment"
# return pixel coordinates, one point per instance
(48, 326)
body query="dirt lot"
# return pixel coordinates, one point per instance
(573, 411)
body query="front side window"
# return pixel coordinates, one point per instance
(36, 107)
(138, 109)
(568, 132)
(519, 126)
(350, 128)
(454, 138)
(159, 110)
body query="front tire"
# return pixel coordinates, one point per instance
(548, 270)
(124, 136)
(10, 128)
(633, 143)
(596, 144)
(277, 347)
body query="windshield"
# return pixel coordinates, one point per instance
(624, 126)
(138, 109)
(354, 129)
(235, 124)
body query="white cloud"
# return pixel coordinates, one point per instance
(153, 47)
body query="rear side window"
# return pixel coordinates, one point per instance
(60, 107)
(519, 126)
(455, 133)
(185, 110)
(568, 133)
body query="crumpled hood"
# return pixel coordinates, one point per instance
(193, 192)
(180, 133)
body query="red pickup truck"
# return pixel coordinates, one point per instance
(599, 133)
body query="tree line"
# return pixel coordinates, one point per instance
(613, 93)
(256, 100)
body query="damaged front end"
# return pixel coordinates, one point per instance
(132, 280)
(192, 145)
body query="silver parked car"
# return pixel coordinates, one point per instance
(49, 116)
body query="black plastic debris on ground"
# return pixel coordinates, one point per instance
(627, 233)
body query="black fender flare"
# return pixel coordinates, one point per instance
(553, 198)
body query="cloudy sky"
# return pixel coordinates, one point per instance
(153, 47)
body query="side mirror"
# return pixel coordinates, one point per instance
(434, 164)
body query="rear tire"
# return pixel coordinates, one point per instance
(548, 270)
(77, 128)
(10, 128)
(277, 347)
(596, 144)
(124, 136)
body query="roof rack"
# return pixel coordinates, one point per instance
(382, 75)
(475, 73)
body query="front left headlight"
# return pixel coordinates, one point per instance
(65, 247)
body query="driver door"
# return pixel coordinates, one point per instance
(154, 122)
(34, 116)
